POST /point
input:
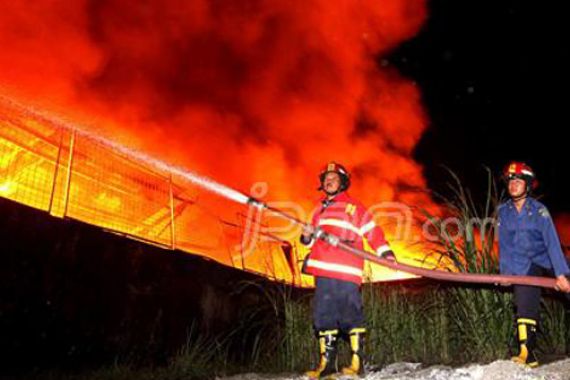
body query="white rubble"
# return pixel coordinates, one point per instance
(498, 370)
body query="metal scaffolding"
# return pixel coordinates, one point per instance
(70, 175)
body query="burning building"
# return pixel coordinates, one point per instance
(248, 92)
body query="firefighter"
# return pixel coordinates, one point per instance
(337, 304)
(528, 245)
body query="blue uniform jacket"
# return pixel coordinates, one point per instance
(528, 237)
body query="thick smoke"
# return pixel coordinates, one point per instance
(242, 91)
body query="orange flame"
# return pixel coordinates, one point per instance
(241, 91)
(562, 223)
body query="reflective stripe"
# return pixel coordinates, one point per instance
(334, 267)
(522, 332)
(527, 173)
(328, 332)
(355, 347)
(357, 330)
(348, 226)
(383, 249)
(367, 227)
(527, 321)
(340, 223)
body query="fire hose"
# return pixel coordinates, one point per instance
(239, 197)
(441, 275)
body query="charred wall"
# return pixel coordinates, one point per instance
(73, 295)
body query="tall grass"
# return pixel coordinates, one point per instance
(406, 324)
(483, 315)
(464, 233)
(554, 332)
(200, 357)
(283, 335)
(418, 321)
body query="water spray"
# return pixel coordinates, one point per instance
(185, 174)
(236, 196)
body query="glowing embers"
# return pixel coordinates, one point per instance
(51, 166)
(105, 201)
(54, 167)
(25, 176)
(7, 188)
(8, 155)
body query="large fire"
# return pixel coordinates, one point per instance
(241, 91)
(562, 222)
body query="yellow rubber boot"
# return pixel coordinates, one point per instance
(327, 349)
(356, 367)
(527, 342)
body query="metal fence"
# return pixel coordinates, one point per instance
(53, 167)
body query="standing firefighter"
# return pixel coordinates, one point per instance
(338, 274)
(528, 245)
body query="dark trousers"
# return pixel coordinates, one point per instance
(527, 298)
(337, 305)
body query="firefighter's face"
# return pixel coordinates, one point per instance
(331, 184)
(517, 187)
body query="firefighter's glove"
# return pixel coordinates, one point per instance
(327, 238)
(332, 240)
(388, 255)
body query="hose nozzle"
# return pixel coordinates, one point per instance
(328, 238)
(256, 203)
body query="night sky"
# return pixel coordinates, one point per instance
(494, 77)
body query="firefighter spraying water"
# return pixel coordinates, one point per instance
(528, 245)
(337, 305)
(229, 193)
